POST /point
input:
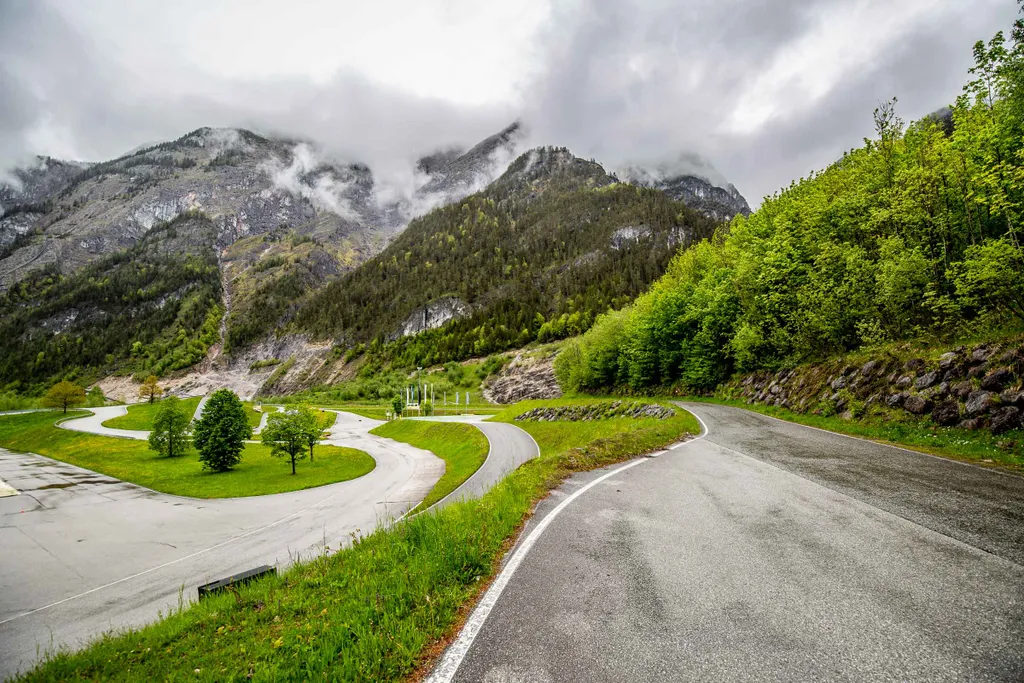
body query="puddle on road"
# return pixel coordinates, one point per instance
(56, 486)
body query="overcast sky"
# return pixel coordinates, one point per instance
(767, 90)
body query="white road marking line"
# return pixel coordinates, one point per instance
(445, 670)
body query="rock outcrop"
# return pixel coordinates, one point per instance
(526, 377)
(971, 388)
(604, 410)
(433, 315)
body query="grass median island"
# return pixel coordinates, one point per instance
(463, 448)
(373, 611)
(980, 446)
(141, 415)
(129, 460)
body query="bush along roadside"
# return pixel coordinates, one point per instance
(376, 609)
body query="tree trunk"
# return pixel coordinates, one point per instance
(293, 464)
(311, 452)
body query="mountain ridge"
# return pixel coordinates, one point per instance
(283, 221)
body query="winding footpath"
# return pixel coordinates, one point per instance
(84, 553)
(761, 551)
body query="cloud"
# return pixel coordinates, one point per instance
(764, 90)
(306, 177)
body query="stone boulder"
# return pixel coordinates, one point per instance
(962, 389)
(978, 371)
(895, 400)
(928, 379)
(997, 380)
(972, 424)
(904, 382)
(1012, 398)
(946, 413)
(1004, 419)
(947, 361)
(978, 403)
(916, 404)
(914, 365)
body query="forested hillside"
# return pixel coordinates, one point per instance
(152, 308)
(538, 255)
(915, 234)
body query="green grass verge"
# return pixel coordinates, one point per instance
(372, 611)
(254, 415)
(980, 447)
(259, 473)
(141, 415)
(463, 448)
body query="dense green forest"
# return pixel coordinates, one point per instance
(915, 234)
(150, 309)
(537, 255)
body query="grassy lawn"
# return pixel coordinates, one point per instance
(141, 415)
(254, 415)
(980, 447)
(259, 473)
(462, 447)
(374, 611)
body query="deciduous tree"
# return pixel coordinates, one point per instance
(287, 435)
(64, 395)
(221, 431)
(171, 433)
(150, 390)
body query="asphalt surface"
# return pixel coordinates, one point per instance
(764, 551)
(510, 447)
(93, 424)
(83, 553)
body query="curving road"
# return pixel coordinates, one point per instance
(510, 447)
(762, 551)
(83, 553)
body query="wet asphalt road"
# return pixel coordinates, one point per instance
(768, 552)
(82, 553)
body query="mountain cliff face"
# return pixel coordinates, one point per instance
(280, 221)
(695, 182)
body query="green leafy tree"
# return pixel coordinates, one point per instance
(221, 431)
(915, 233)
(398, 405)
(313, 426)
(171, 429)
(150, 390)
(287, 434)
(64, 395)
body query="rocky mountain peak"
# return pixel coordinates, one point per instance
(692, 180)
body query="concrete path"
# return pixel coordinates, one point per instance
(264, 417)
(83, 553)
(510, 447)
(764, 551)
(93, 424)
